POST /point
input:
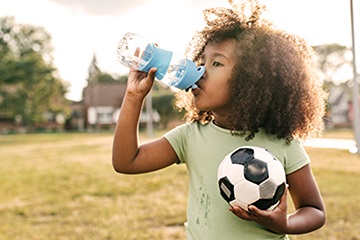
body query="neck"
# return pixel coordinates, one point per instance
(221, 122)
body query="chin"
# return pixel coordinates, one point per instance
(202, 108)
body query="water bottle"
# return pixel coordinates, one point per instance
(172, 69)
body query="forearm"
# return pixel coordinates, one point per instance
(125, 143)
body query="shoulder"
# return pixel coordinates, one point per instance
(179, 134)
(292, 155)
(187, 129)
(296, 156)
(183, 136)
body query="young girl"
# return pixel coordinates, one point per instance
(259, 88)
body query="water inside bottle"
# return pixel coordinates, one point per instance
(146, 56)
(133, 51)
(176, 72)
(131, 60)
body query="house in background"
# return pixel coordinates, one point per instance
(101, 104)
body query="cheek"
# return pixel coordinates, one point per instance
(221, 95)
(224, 98)
(223, 90)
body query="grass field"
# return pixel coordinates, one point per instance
(62, 186)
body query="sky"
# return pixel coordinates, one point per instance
(81, 29)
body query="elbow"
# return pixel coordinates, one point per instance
(322, 219)
(119, 167)
(116, 165)
(319, 220)
(124, 163)
(305, 221)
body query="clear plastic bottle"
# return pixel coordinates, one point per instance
(172, 69)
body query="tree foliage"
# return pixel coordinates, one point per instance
(164, 103)
(334, 62)
(96, 76)
(29, 86)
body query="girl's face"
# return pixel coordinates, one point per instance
(213, 93)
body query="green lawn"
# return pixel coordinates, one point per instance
(62, 186)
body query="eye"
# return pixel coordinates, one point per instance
(217, 64)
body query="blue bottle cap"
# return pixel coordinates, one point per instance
(156, 57)
(191, 76)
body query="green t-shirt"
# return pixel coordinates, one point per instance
(202, 148)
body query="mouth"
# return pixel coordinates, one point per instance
(195, 90)
(193, 87)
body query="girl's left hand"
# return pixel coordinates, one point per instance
(275, 220)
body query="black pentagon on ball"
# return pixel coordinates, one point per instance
(226, 189)
(264, 204)
(255, 170)
(242, 156)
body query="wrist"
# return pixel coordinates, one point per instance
(133, 99)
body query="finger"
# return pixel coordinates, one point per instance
(152, 72)
(150, 77)
(137, 52)
(283, 199)
(255, 211)
(236, 210)
(284, 196)
(241, 213)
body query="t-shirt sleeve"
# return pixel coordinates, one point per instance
(177, 139)
(295, 157)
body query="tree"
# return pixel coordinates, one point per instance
(335, 69)
(122, 79)
(334, 63)
(97, 76)
(164, 103)
(29, 86)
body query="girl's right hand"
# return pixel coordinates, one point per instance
(140, 83)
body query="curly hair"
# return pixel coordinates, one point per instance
(274, 85)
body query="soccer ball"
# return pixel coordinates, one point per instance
(251, 176)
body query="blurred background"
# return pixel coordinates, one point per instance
(58, 67)
(61, 89)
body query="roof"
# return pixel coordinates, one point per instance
(104, 94)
